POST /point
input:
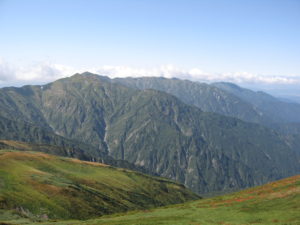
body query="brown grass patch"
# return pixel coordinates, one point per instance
(88, 163)
(16, 144)
(48, 189)
(24, 155)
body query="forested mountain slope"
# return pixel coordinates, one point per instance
(226, 99)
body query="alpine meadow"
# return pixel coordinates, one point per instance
(149, 112)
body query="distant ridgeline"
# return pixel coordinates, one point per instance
(211, 138)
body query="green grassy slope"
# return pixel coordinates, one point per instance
(41, 186)
(273, 203)
(67, 148)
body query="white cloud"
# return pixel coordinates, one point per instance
(196, 74)
(43, 72)
(6, 71)
(167, 71)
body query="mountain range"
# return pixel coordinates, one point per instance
(224, 98)
(207, 137)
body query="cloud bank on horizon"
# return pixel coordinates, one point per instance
(43, 72)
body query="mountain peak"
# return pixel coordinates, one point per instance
(228, 84)
(90, 75)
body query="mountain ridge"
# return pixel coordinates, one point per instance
(205, 151)
(224, 98)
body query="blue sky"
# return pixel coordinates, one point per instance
(260, 37)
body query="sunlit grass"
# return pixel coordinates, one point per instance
(274, 203)
(41, 187)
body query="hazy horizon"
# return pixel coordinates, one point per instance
(253, 44)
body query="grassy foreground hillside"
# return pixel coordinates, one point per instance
(73, 151)
(273, 203)
(39, 186)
